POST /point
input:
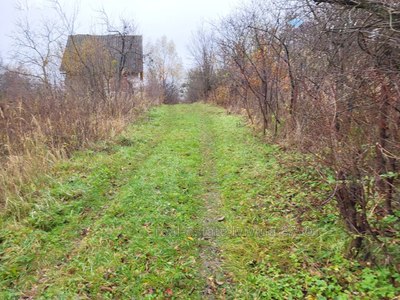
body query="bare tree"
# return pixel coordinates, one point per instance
(324, 76)
(38, 49)
(165, 71)
(203, 77)
(124, 31)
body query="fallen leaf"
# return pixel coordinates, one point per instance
(106, 289)
(168, 292)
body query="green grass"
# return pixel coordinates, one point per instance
(125, 220)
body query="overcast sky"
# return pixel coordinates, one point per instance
(176, 19)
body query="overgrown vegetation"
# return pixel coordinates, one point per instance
(321, 77)
(46, 114)
(127, 220)
(189, 202)
(40, 130)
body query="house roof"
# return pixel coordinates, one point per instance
(127, 48)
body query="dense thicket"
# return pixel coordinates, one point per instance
(322, 76)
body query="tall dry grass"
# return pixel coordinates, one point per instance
(40, 129)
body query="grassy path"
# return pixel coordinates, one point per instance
(210, 255)
(188, 204)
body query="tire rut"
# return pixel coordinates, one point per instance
(211, 256)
